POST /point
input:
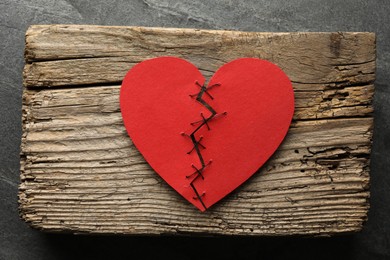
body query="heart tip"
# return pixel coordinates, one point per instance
(201, 208)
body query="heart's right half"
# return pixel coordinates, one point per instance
(205, 140)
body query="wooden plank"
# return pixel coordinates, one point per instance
(81, 173)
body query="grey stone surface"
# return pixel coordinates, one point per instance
(18, 241)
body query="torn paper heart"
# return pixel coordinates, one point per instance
(205, 140)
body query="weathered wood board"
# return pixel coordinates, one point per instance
(80, 172)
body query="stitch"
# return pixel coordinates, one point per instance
(215, 117)
(199, 171)
(205, 89)
(199, 197)
(198, 143)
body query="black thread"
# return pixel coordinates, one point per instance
(198, 171)
(199, 197)
(198, 143)
(205, 89)
(204, 121)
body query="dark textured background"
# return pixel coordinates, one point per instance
(18, 241)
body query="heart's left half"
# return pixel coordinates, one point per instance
(205, 140)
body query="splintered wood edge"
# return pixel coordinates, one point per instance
(96, 181)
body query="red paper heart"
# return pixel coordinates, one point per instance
(161, 97)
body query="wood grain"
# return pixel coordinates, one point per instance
(81, 173)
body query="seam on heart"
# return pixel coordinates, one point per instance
(197, 143)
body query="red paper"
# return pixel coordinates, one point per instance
(157, 109)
